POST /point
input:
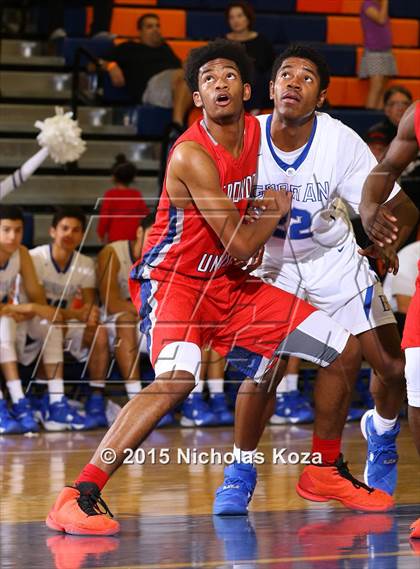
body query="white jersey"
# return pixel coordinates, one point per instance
(333, 164)
(61, 286)
(8, 278)
(123, 251)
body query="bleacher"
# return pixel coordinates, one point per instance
(32, 83)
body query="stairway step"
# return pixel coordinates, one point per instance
(36, 85)
(83, 190)
(99, 154)
(92, 120)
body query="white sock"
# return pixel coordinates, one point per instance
(97, 384)
(382, 425)
(15, 390)
(197, 389)
(132, 388)
(244, 456)
(292, 381)
(215, 385)
(1, 394)
(55, 390)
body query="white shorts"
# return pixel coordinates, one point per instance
(31, 342)
(338, 281)
(110, 321)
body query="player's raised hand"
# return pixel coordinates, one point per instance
(380, 224)
(387, 254)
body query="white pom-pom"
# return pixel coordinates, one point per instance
(61, 136)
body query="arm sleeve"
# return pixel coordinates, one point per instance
(353, 166)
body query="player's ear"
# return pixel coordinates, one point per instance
(271, 89)
(52, 232)
(321, 98)
(247, 92)
(197, 100)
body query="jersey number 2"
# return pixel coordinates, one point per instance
(300, 225)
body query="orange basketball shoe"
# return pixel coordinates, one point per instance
(415, 529)
(322, 483)
(76, 511)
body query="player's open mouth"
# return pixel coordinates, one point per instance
(291, 97)
(222, 100)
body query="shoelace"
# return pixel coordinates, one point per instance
(344, 471)
(90, 503)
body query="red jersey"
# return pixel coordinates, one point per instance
(121, 212)
(181, 240)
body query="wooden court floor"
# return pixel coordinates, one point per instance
(165, 509)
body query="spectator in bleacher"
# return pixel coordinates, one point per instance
(122, 207)
(64, 272)
(102, 12)
(119, 313)
(399, 288)
(376, 139)
(151, 71)
(397, 99)
(21, 323)
(241, 17)
(378, 62)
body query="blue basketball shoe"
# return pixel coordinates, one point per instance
(382, 457)
(23, 412)
(61, 416)
(8, 425)
(166, 420)
(197, 413)
(292, 407)
(234, 495)
(218, 405)
(95, 408)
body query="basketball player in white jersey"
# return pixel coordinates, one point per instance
(314, 255)
(64, 272)
(19, 321)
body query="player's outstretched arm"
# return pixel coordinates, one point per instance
(378, 221)
(192, 178)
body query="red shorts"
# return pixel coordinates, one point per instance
(239, 316)
(411, 336)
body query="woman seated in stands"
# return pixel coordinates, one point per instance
(241, 16)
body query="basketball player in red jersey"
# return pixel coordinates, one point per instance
(190, 294)
(381, 227)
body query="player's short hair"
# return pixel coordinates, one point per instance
(13, 212)
(397, 89)
(123, 170)
(148, 221)
(69, 211)
(304, 52)
(247, 9)
(140, 21)
(218, 49)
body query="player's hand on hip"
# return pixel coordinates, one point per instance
(387, 254)
(379, 224)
